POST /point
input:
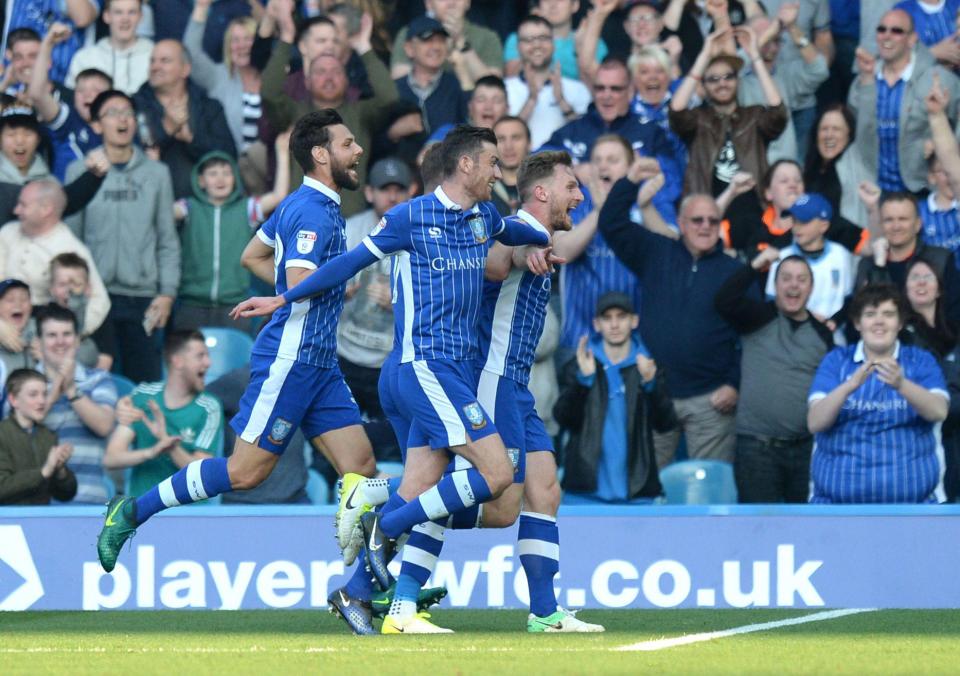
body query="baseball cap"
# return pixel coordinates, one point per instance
(390, 171)
(424, 27)
(8, 284)
(734, 62)
(808, 207)
(653, 4)
(614, 299)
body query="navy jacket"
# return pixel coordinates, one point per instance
(696, 348)
(445, 105)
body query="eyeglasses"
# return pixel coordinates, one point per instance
(896, 30)
(700, 220)
(922, 277)
(114, 112)
(609, 88)
(643, 18)
(714, 79)
(530, 39)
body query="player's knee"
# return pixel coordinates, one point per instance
(245, 477)
(499, 477)
(502, 516)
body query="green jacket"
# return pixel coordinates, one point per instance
(212, 239)
(22, 454)
(364, 118)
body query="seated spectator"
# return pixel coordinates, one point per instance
(122, 55)
(29, 245)
(235, 82)
(20, 163)
(513, 144)
(33, 465)
(611, 401)
(475, 51)
(17, 331)
(782, 346)
(566, 43)
(888, 101)
(70, 288)
(134, 244)
(69, 125)
(723, 137)
(436, 91)
(181, 121)
(874, 407)
(217, 222)
(165, 425)
(935, 23)
(25, 14)
(80, 401)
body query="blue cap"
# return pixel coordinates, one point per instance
(808, 207)
(425, 27)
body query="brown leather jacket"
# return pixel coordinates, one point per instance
(704, 131)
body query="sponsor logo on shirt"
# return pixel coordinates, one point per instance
(305, 241)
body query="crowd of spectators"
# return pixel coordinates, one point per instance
(763, 271)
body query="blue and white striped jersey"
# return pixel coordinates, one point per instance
(438, 280)
(39, 15)
(306, 231)
(941, 227)
(512, 316)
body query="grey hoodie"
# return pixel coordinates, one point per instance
(37, 169)
(130, 230)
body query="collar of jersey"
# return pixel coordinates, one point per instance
(530, 220)
(449, 203)
(932, 204)
(317, 185)
(858, 354)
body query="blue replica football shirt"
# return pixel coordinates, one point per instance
(306, 231)
(512, 318)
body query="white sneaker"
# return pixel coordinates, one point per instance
(562, 621)
(414, 624)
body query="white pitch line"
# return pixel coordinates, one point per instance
(664, 643)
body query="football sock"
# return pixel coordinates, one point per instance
(456, 491)
(538, 542)
(420, 553)
(199, 480)
(466, 519)
(405, 597)
(360, 584)
(376, 491)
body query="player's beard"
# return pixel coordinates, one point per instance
(342, 177)
(560, 218)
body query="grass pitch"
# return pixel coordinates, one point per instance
(486, 642)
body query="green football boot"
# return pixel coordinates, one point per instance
(118, 527)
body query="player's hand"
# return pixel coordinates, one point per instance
(650, 188)
(127, 413)
(541, 261)
(647, 368)
(724, 399)
(585, 362)
(765, 258)
(257, 306)
(890, 372)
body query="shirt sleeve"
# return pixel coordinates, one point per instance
(829, 375)
(103, 391)
(305, 240)
(926, 372)
(209, 439)
(268, 231)
(390, 234)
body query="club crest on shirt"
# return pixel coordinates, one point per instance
(378, 228)
(475, 415)
(305, 241)
(281, 428)
(479, 229)
(514, 455)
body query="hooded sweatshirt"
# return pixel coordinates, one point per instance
(213, 238)
(128, 67)
(129, 228)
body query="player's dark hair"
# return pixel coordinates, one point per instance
(899, 196)
(872, 295)
(51, 312)
(514, 118)
(793, 258)
(306, 25)
(177, 340)
(102, 99)
(537, 20)
(310, 131)
(22, 35)
(537, 168)
(431, 168)
(490, 81)
(94, 72)
(464, 140)
(69, 260)
(20, 377)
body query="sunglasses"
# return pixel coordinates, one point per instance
(714, 79)
(896, 30)
(609, 88)
(700, 220)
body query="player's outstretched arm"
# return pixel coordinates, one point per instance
(512, 233)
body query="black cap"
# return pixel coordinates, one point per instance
(424, 27)
(8, 284)
(615, 299)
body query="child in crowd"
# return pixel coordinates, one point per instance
(16, 327)
(70, 288)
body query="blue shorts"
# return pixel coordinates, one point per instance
(284, 394)
(441, 398)
(514, 412)
(392, 402)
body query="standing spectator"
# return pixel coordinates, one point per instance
(845, 28)
(655, 87)
(183, 122)
(433, 89)
(121, 55)
(475, 51)
(129, 228)
(16, 329)
(70, 289)
(81, 401)
(811, 17)
(724, 138)
(566, 42)
(69, 125)
(166, 425)
(939, 213)
(874, 407)
(217, 222)
(612, 401)
(23, 45)
(37, 15)
(33, 466)
(365, 332)
(486, 104)
(888, 101)
(783, 344)
(539, 94)
(513, 144)
(29, 245)
(690, 341)
(935, 23)
(643, 25)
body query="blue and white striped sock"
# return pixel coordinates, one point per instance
(456, 491)
(538, 543)
(199, 480)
